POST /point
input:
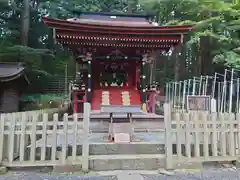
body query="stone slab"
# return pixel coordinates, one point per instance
(112, 148)
(189, 165)
(122, 138)
(122, 128)
(127, 164)
(67, 168)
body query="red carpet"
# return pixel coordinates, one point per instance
(96, 99)
(115, 96)
(134, 97)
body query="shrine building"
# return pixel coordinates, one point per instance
(111, 53)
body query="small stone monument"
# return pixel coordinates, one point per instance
(122, 132)
(121, 138)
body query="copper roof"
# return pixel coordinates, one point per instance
(11, 71)
(115, 22)
(112, 19)
(80, 26)
(107, 30)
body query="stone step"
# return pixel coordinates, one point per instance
(127, 162)
(126, 156)
(105, 104)
(125, 99)
(124, 162)
(116, 149)
(105, 101)
(122, 128)
(105, 98)
(139, 125)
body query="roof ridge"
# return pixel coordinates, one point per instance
(77, 12)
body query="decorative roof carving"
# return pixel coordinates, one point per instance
(85, 57)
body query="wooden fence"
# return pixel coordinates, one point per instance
(34, 139)
(200, 137)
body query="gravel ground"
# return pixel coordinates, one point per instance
(213, 174)
(33, 176)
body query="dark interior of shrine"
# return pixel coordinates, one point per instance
(115, 73)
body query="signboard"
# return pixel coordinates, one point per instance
(198, 103)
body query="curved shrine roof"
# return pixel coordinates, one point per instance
(93, 27)
(99, 29)
(11, 71)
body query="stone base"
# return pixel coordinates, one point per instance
(127, 164)
(117, 149)
(189, 165)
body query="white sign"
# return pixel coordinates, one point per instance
(198, 103)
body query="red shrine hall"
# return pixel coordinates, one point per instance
(111, 53)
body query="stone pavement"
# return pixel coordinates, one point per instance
(212, 174)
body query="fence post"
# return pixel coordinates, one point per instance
(1, 136)
(213, 105)
(238, 132)
(168, 136)
(65, 141)
(11, 119)
(85, 145)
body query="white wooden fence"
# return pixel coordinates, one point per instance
(200, 137)
(34, 139)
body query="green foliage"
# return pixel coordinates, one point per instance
(219, 21)
(215, 21)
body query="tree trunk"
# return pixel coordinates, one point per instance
(177, 63)
(195, 60)
(182, 61)
(25, 19)
(205, 55)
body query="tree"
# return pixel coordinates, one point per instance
(215, 40)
